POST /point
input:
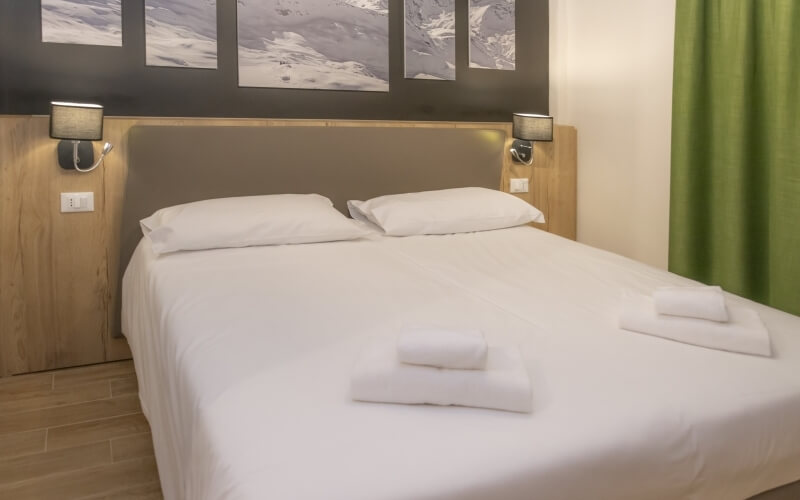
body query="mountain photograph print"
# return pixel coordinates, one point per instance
(314, 44)
(86, 22)
(430, 38)
(492, 35)
(181, 33)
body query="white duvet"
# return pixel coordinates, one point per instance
(244, 358)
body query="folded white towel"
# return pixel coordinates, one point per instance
(461, 349)
(703, 302)
(745, 331)
(380, 377)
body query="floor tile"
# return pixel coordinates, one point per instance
(43, 464)
(125, 448)
(70, 414)
(150, 491)
(22, 443)
(35, 400)
(96, 430)
(91, 373)
(11, 386)
(122, 386)
(98, 480)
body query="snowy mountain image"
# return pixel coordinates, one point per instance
(181, 33)
(87, 22)
(492, 40)
(430, 36)
(314, 44)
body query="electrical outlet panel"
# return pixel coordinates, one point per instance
(519, 186)
(77, 202)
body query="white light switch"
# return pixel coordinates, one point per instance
(77, 202)
(519, 185)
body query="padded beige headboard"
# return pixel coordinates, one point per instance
(171, 165)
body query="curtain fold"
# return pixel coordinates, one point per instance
(735, 182)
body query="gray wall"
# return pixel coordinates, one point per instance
(32, 73)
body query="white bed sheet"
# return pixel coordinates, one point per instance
(244, 355)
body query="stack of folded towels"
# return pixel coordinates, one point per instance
(442, 367)
(696, 315)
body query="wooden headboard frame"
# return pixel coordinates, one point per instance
(173, 165)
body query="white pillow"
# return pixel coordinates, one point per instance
(448, 211)
(248, 221)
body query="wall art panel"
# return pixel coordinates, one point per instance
(86, 22)
(492, 34)
(314, 44)
(181, 33)
(430, 39)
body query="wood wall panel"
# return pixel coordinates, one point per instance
(47, 256)
(554, 182)
(58, 272)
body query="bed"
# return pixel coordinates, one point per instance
(243, 358)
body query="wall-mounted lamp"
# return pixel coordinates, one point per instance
(529, 128)
(75, 122)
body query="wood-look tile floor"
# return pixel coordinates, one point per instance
(77, 433)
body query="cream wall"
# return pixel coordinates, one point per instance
(611, 77)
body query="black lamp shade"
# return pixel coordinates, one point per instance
(530, 127)
(76, 121)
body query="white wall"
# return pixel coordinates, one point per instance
(611, 77)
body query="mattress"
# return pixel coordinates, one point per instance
(244, 355)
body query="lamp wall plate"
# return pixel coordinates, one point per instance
(85, 153)
(524, 149)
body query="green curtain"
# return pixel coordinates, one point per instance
(735, 187)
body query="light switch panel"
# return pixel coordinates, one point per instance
(519, 185)
(77, 202)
